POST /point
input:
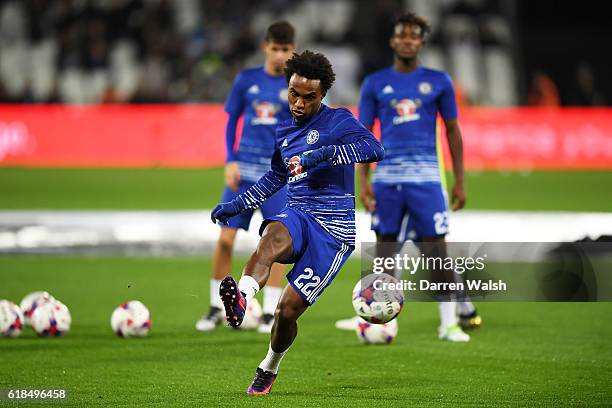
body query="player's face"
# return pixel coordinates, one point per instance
(407, 40)
(305, 97)
(277, 55)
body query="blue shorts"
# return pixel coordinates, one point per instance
(317, 255)
(410, 211)
(270, 207)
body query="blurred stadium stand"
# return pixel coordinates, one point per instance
(159, 51)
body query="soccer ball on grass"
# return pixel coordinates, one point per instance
(371, 333)
(11, 319)
(51, 318)
(131, 319)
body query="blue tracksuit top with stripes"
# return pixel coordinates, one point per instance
(327, 191)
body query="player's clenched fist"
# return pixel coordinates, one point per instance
(458, 198)
(223, 212)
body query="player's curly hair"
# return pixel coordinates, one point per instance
(412, 19)
(311, 65)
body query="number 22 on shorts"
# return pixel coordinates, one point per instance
(306, 288)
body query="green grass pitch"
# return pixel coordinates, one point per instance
(526, 354)
(196, 189)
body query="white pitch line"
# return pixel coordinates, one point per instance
(32, 229)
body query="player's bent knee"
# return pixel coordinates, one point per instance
(288, 310)
(285, 314)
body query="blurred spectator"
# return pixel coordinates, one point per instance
(586, 93)
(154, 51)
(543, 91)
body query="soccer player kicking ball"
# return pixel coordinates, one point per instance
(407, 192)
(260, 96)
(314, 156)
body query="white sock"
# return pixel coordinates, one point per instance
(465, 307)
(272, 360)
(248, 286)
(448, 316)
(271, 296)
(215, 299)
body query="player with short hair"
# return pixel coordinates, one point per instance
(407, 198)
(259, 95)
(314, 156)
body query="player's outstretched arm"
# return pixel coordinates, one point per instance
(362, 151)
(360, 146)
(267, 185)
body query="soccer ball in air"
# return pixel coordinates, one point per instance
(11, 319)
(51, 318)
(371, 333)
(374, 301)
(131, 319)
(31, 301)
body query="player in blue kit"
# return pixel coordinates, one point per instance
(407, 194)
(259, 95)
(314, 156)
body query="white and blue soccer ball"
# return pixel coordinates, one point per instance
(375, 304)
(51, 318)
(31, 301)
(372, 333)
(11, 319)
(131, 319)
